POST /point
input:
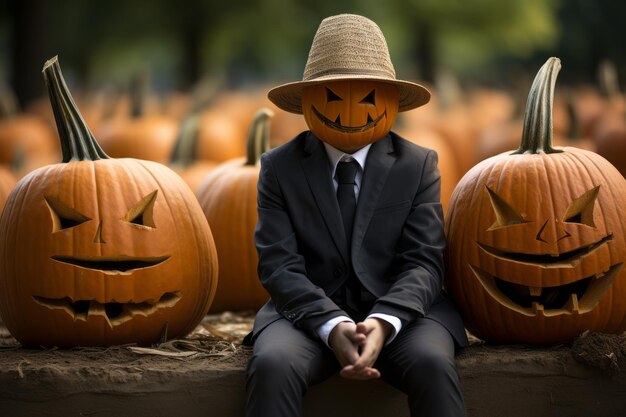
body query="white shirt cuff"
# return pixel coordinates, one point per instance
(324, 330)
(393, 320)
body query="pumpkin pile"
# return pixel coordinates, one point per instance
(101, 251)
(536, 237)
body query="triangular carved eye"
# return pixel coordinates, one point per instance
(505, 214)
(370, 98)
(142, 213)
(63, 216)
(581, 209)
(331, 96)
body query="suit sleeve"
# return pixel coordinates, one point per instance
(418, 271)
(281, 267)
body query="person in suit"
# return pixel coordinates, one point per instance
(350, 239)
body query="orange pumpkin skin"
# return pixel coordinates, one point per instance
(102, 251)
(151, 138)
(220, 138)
(350, 114)
(228, 198)
(528, 229)
(26, 137)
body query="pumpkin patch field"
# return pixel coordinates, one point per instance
(128, 250)
(131, 135)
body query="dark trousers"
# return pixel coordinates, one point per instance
(420, 362)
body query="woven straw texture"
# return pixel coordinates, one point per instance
(348, 46)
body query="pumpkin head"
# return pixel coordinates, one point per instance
(228, 198)
(536, 237)
(350, 114)
(102, 251)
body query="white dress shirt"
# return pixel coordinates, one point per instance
(334, 157)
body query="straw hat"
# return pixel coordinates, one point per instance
(348, 47)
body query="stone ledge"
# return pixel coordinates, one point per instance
(497, 381)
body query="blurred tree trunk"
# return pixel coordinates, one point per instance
(192, 33)
(425, 52)
(28, 48)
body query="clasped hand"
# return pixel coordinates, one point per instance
(357, 347)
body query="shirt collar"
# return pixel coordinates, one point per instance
(335, 156)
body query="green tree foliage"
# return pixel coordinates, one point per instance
(268, 40)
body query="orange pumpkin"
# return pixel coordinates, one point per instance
(448, 163)
(220, 137)
(228, 199)
(350, 114)
(610, 139)
(26, 141)
(536, 237)
(141, 135)
(102, 251)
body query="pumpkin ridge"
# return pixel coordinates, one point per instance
(144, 165)
(615, 298)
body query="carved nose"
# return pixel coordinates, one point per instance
(98, 236)
(551, 232)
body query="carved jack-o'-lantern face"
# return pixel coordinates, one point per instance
(350, 114)
(102, 251)
(537, 241)
(589, 280)
(100, 255)
(537, 258)
(67, 221)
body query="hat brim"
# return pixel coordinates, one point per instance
(289, 96)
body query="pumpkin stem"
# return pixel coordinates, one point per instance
(608, 80)
(186, 146)
(184, 153)
(77, 141)
(8, 103)
(574, 130)
(537, 134)
(258, 135)
(139, 94)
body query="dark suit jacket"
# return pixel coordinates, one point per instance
(397, 244)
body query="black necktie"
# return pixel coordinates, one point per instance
(345, 173)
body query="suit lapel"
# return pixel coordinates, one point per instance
(380, 159)
(317, 172)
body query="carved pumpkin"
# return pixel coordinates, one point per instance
(103, 251)
(536, 237)
(350, 114)
(228, 198)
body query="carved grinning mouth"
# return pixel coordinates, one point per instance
(348, 129)
(115, 265)
(579, 297)
(564, 260)
(114, 312)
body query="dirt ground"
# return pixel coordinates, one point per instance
(215, 343)
(205, 370)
